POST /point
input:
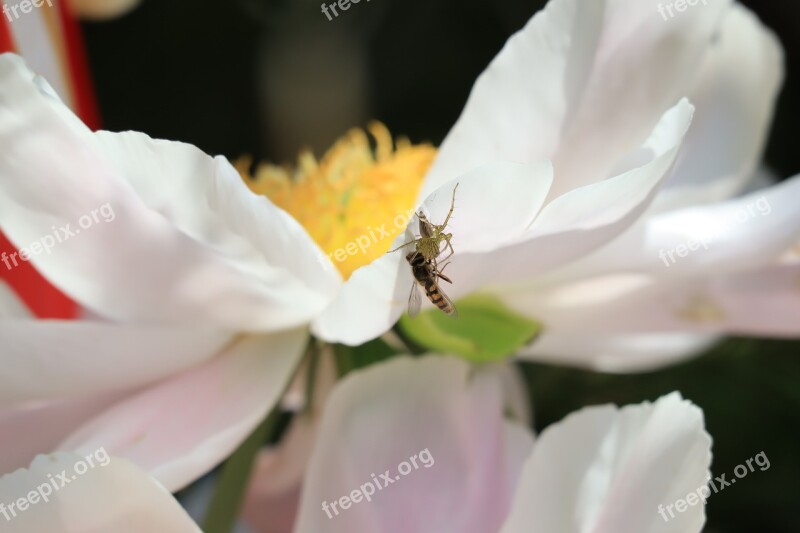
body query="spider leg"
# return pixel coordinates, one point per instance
(452, 206)
(440, 273)
(448, 244)
(406, 244)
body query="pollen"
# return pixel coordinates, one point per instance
(353, 201)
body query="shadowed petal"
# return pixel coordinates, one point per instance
(735, 99)
(181, 428)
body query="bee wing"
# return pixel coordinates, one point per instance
(414, 301)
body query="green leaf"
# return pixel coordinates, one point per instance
(485, 330)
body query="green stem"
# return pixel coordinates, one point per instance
(344, 359)
(311, 376)
(234, 476)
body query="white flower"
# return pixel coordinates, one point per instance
(596, 89)
(601, 469)
(204, 293)
(566, 196)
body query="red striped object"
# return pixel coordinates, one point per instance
(40, 296)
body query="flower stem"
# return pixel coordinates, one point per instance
(313, 355)
(234, 476)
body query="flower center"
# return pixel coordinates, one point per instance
(356, 199)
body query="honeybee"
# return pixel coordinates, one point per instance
(426, 275)
(424, 263)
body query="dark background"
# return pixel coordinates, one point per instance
(267, 77)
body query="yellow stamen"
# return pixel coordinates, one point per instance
(355, 200)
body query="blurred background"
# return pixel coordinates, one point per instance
(268, 77)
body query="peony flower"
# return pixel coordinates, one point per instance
(576, 243)
(600, 469)
(570, 181)
(202, 291)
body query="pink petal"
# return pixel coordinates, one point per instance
(439, 411)
(39, 428)
(181, 428)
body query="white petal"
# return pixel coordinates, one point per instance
(369, 304)
(430, 409)
(181, 428)
(129, 261)
(494, 204)
(764, 302)
(210, 203)
(588, 217)
(581, 85)
(33, 40)
(10, 305)
(743, 233)
(111, 495)
(607, 470)
(747, 232)
(50, 359)
(616, 353)
(735, 99)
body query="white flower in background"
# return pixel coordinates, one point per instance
(602, 469)
(575, 246)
